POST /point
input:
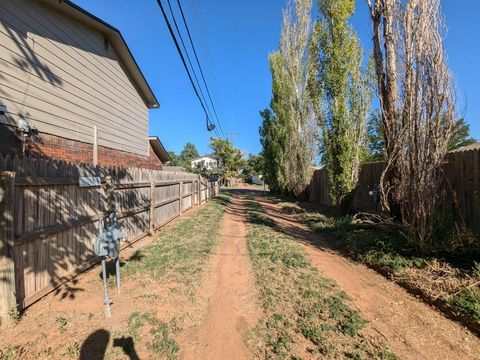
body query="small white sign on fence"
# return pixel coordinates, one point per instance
(87, 181)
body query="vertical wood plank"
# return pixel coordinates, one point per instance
(7, 264)
(180, 191)
(152, 204)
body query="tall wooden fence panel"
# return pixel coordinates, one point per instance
(55, 221)
(462, 171)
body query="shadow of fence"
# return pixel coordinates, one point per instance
(54, 221)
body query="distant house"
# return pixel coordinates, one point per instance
(206, 161)
(257, 179)
(71, 89)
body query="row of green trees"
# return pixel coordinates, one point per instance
(322, 91)
(230, 160)
(321, 98)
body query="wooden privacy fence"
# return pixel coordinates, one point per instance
(49, 223)
(463, 174)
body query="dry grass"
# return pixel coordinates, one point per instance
(441, 280)
(290, 208)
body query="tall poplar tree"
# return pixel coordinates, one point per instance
(272, 137)
(340, 95)
(287, 131)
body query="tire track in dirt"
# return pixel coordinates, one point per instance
(411, 328)
(230, 291)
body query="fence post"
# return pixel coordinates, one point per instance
(152, 204)
(181, 197)
(206, 191)
(209, 187)
(8, 300)
(199, 190)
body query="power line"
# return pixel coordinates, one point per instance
(172, 34)
(198, 23)
(198, 64)
(188, 56)
(209, 118)
(209, 115)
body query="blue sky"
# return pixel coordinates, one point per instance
(241, 34)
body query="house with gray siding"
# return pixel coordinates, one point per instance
(71, 89)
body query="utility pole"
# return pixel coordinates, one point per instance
(231, 137)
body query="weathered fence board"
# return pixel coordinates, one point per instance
(7, 264)
(462, 171)
(54, 222)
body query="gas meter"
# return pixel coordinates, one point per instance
(109, 238)
(107, 245)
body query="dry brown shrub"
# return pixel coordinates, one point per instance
(441, 280)
(417, 98)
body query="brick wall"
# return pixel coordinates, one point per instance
(51, 146)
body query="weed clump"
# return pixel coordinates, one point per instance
(468, 301)
(73, 350)
(161, 341)
(12, 353)
(62, 323)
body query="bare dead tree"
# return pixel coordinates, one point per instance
(417, 100)
(385, 58)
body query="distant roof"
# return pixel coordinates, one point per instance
(159, 149)
(133, 71)
(473, 146)
(211, 156)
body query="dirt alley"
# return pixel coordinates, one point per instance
(411, 328)
(230, 290)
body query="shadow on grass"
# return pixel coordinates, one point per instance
(338, 232)
(222, 199)
(387, 250)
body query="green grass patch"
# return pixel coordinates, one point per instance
(180, 252)
(12, 353)
(161, 340)
(468, 302)
(384, 248)
(163, 343)
(304, 312)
